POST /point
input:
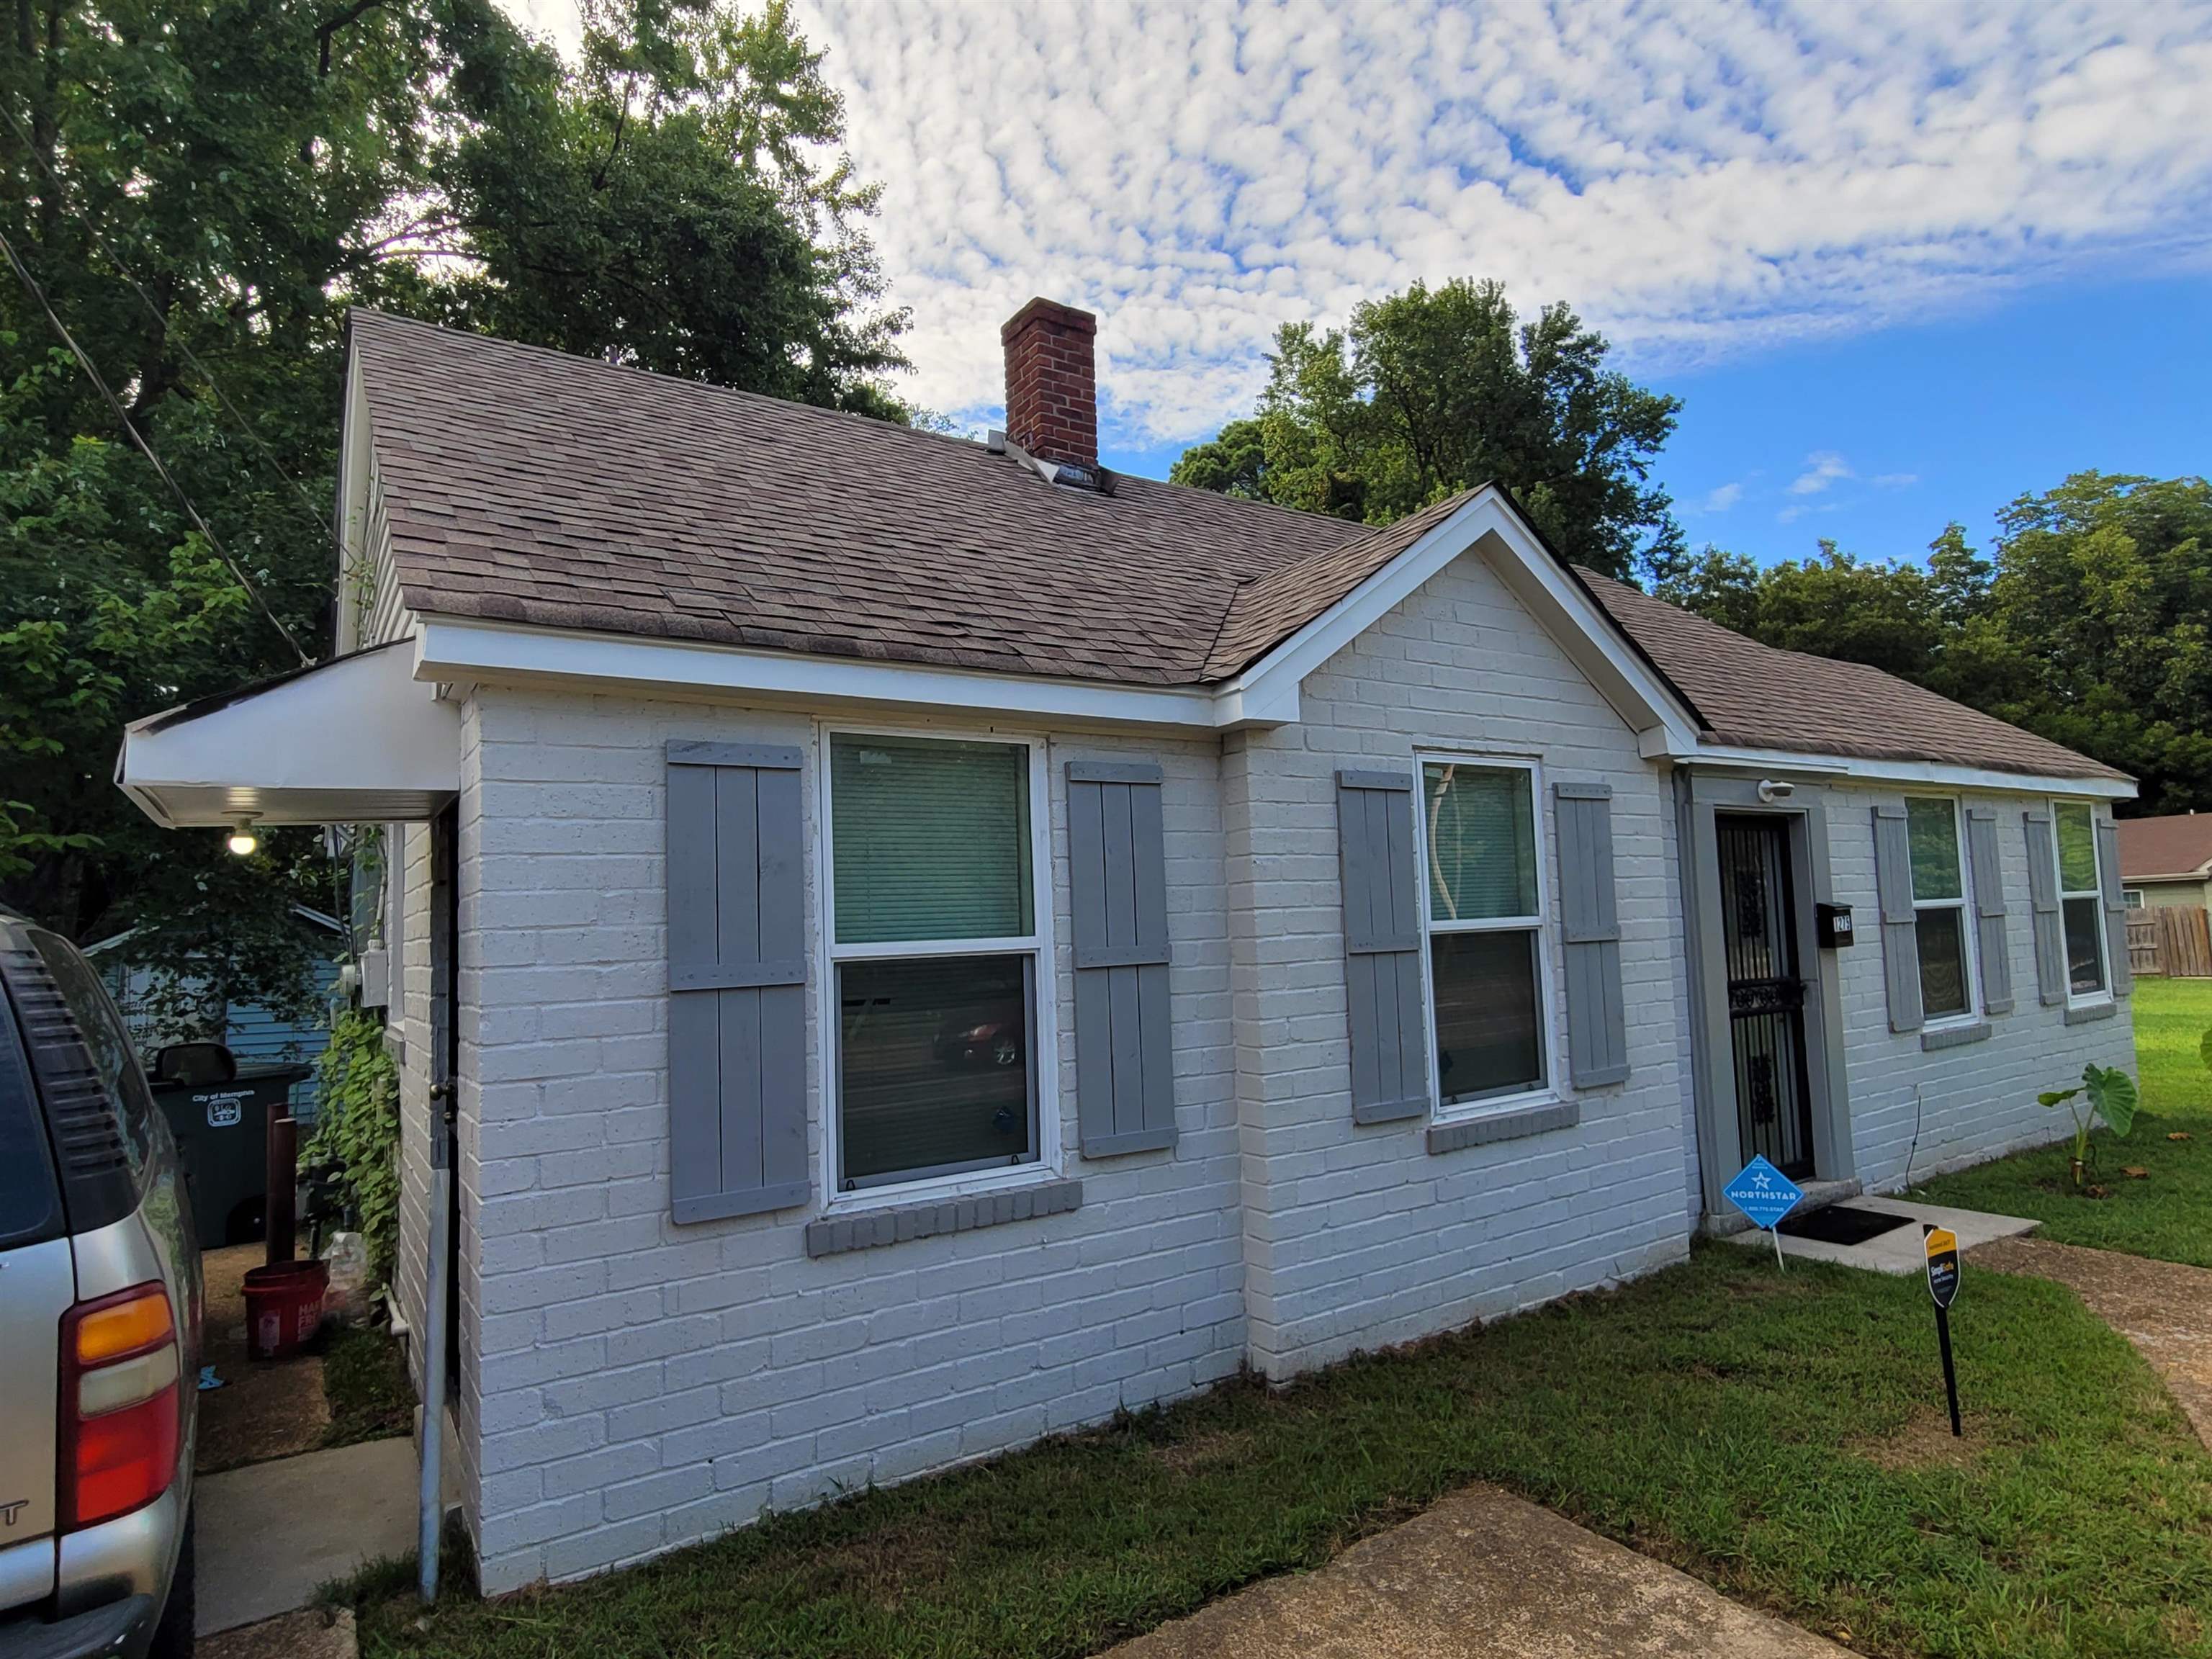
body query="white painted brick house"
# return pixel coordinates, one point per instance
(922, 945)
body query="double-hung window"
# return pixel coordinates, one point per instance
(2081, 898)
(1939, 909)
(1484, 908)
(936, 931)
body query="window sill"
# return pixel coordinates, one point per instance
(1955, 1036)
(894, 1223)
(1538, 1118)
(2090, 1011)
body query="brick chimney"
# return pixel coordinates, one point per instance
(1052, 383)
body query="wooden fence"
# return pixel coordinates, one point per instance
(2175, 942)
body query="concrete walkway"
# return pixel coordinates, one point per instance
(2164, 1308)
(1899, 1250)
(1483, 1575)
(271, 1534)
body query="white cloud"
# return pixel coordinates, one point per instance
(1721, 499)
(1697, 180)
(1822, 468)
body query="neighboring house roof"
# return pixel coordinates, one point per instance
(2176, 849)
(524, 485)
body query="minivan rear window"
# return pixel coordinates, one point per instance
(30, 1203)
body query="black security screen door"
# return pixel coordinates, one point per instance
(1767, 997)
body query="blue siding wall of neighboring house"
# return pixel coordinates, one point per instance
(252, 1033)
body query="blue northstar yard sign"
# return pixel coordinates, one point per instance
(1763, 1192)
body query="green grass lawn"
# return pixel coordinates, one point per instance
(365, 1382)
(2166, 1213)
(1778, 1435)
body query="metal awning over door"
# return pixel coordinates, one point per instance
(355, 740)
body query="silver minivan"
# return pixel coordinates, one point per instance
(99, 1326)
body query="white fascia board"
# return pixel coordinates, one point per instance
(464, 651)
(356, 740)
(1928, 774)
(1529, 571)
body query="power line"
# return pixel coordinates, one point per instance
(315, 516)
(123, 415)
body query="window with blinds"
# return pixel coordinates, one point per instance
(1939, 909)
(1484, 915)
(932, 840)
(2080, 898)
(934, 951)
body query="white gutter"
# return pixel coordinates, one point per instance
(466, 650)
(1925, 773)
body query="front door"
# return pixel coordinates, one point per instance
(1766, 994)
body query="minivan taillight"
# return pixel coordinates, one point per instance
(119, 1404)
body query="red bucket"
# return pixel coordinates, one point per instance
(283, 1306)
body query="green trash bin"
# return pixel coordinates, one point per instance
(223, 1133)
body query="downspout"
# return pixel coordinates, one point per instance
(431, 1517)
(445, 1058)
(1693, 950)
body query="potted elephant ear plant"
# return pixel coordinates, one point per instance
(2106, 1092)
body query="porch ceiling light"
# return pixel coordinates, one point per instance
(243, 841)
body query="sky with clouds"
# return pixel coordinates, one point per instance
(1714, 187)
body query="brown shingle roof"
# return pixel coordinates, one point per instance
(2177, 845)
(1758, 698)
(524, 485)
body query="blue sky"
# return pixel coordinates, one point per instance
(1918, 425)
(1902, 262)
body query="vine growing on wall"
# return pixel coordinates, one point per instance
(357, 1136)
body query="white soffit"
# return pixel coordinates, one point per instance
(356, 740)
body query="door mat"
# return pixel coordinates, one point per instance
(1839, 1223)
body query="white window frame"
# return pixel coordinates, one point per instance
(1964, 904)
(2103, 995)
(2131, 898)
(1549, 1012)
(1038, 945)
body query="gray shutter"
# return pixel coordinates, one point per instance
(1995, 949)
(2116, 907)
(1383, 945)
(2043, 897)
(737, 981)
(1590, 922)
(1901, 943)
(1117, 891)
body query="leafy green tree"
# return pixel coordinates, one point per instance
(2092, 625)
(1433, 391)
(1884, 613)
(2097, 629)
(664, 203)
(200, 189)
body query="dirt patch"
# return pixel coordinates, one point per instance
(881, 1564)
(314, 1634)
(1201, 1451)
(266, 1408)
(2164, 1308)
(1923, 1441)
